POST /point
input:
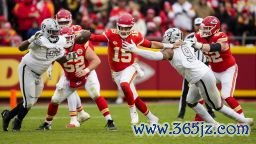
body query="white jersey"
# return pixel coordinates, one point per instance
(199, 54)
(42, 53)
(186, 63)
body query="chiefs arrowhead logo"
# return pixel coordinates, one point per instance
(79, 51)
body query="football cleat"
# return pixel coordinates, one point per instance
(134, 118)
(73, 124)
(111, 126)
(5, 121)
(84, 116)
(44, 126)
(16, 124)
(153, 121)
(119, 100)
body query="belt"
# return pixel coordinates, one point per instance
(33, 71)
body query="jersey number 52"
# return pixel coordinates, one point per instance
(214, 57)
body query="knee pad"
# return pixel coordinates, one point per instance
(55, 100)
(191, 105)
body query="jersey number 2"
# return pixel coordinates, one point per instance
(77, 67)
(126, 57)
(214, 57)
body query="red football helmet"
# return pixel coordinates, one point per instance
(124, 25)
(69, 34)
(209, 26)
(64, 18)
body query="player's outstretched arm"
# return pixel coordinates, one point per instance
(98, 38)
(214, 47)
(144, 53)
(24, 45)
(159, 45)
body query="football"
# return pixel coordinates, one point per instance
(83, 36)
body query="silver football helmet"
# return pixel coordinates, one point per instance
(50, 29)
(172, 35)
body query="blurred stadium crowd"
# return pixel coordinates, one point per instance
(19, 19)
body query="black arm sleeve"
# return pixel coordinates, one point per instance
(215, 47)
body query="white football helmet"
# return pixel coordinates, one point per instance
(50, 29)
(172, 35)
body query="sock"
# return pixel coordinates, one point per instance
(128, 93)
(73, 118)
(80, 109)
(150, 115)
(22, 112)
(232, 114)
(72, 113)
(232, 102)
(14, 111)
(52, 111)
(132, 109)
(72, 102)
(199, 109)
(141, 106)
(198, 117)
(103, 107)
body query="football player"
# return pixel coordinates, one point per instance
(78, 72)
(123, 67)
(185, 87)
(45, 47)
(216, 47)
(64, 19)
(200, 76)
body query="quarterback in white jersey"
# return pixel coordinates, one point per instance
(45, 47)
(194, 71)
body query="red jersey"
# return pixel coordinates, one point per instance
(220, 60)
(118, 58)
(74, 65)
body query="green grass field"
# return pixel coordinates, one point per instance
(93, 130)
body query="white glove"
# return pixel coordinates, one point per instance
(49, 72)
(197, 45)
(34, 37)
(129, 46)
(71, 55)
(82, 72)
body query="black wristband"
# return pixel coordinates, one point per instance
(215, 47)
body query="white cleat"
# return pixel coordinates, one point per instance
(73, 124)
(153, 121)
(134, 118)
(249, 121)
(84, 116)
(119, 100)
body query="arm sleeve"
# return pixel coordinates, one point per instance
(149, 54)
(98, 38)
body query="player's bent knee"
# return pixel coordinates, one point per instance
(56, 100)
(191, 105)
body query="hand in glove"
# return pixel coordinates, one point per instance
(129, 46)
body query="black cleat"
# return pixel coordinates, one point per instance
(111, 126)
(44, 126)
(5, 122)
(16, 124)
